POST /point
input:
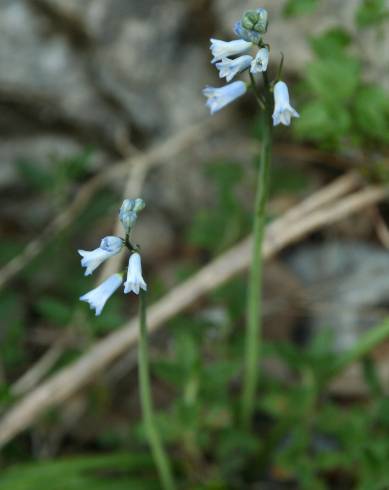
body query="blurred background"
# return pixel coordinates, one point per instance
(101, 101)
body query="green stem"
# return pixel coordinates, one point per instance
(260, 101)
(254, 297)
(157, 449)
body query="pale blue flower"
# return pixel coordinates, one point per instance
(229, 68)
(245, 34)
(220, 97)
(224, 49)
(100, 295)
(260, 62)
(109, 246)
(134, 281)
(283, 111)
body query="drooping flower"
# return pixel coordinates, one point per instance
(99, 296)
(224, 49)
(283, 111)
(229, 68)
(134, 281)
(260, 62)
(220, 97)
(109, 246)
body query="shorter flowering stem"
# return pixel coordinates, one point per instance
(157, 449)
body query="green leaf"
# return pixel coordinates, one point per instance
(170, 372)
(54, 310)
(219, 227)
(334, 80)
(300, 7)
(331, 43)
(371, 111)
(323, 123)
(288, 180)
(116, 472)
(371, 12)
(34, 175)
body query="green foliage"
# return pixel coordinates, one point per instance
(116, 472)
(202, 419)
(218, 227)
(334, 81)
(300, 7)
(371, 12)
(58, 176)
(339, 106)
(331, 44)
(287, 180)
(372, 114)
(54, 310)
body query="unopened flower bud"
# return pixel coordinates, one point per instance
(249, 19)
(129, 212)
(262, 21)
(255, 20)
(128, 220)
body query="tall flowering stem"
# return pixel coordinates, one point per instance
(157, 449)
(254, 296)
(274, 95)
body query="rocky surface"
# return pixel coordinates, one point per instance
(346, 287)
(97, 72)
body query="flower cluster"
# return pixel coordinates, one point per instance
(110, 246)
(232, 58)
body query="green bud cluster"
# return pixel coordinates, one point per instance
(255, 20)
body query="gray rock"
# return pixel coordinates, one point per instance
(346, 287)
(143, 65)
(38, 64)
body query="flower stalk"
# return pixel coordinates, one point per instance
(273, 100)
(253, 338)
(159, 455)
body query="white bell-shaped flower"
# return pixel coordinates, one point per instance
(260, 62)
(283, 111)
(109, 246)
(134, 281)
(100, 295)
(229, 68)
(220, 97)
(224, 49)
